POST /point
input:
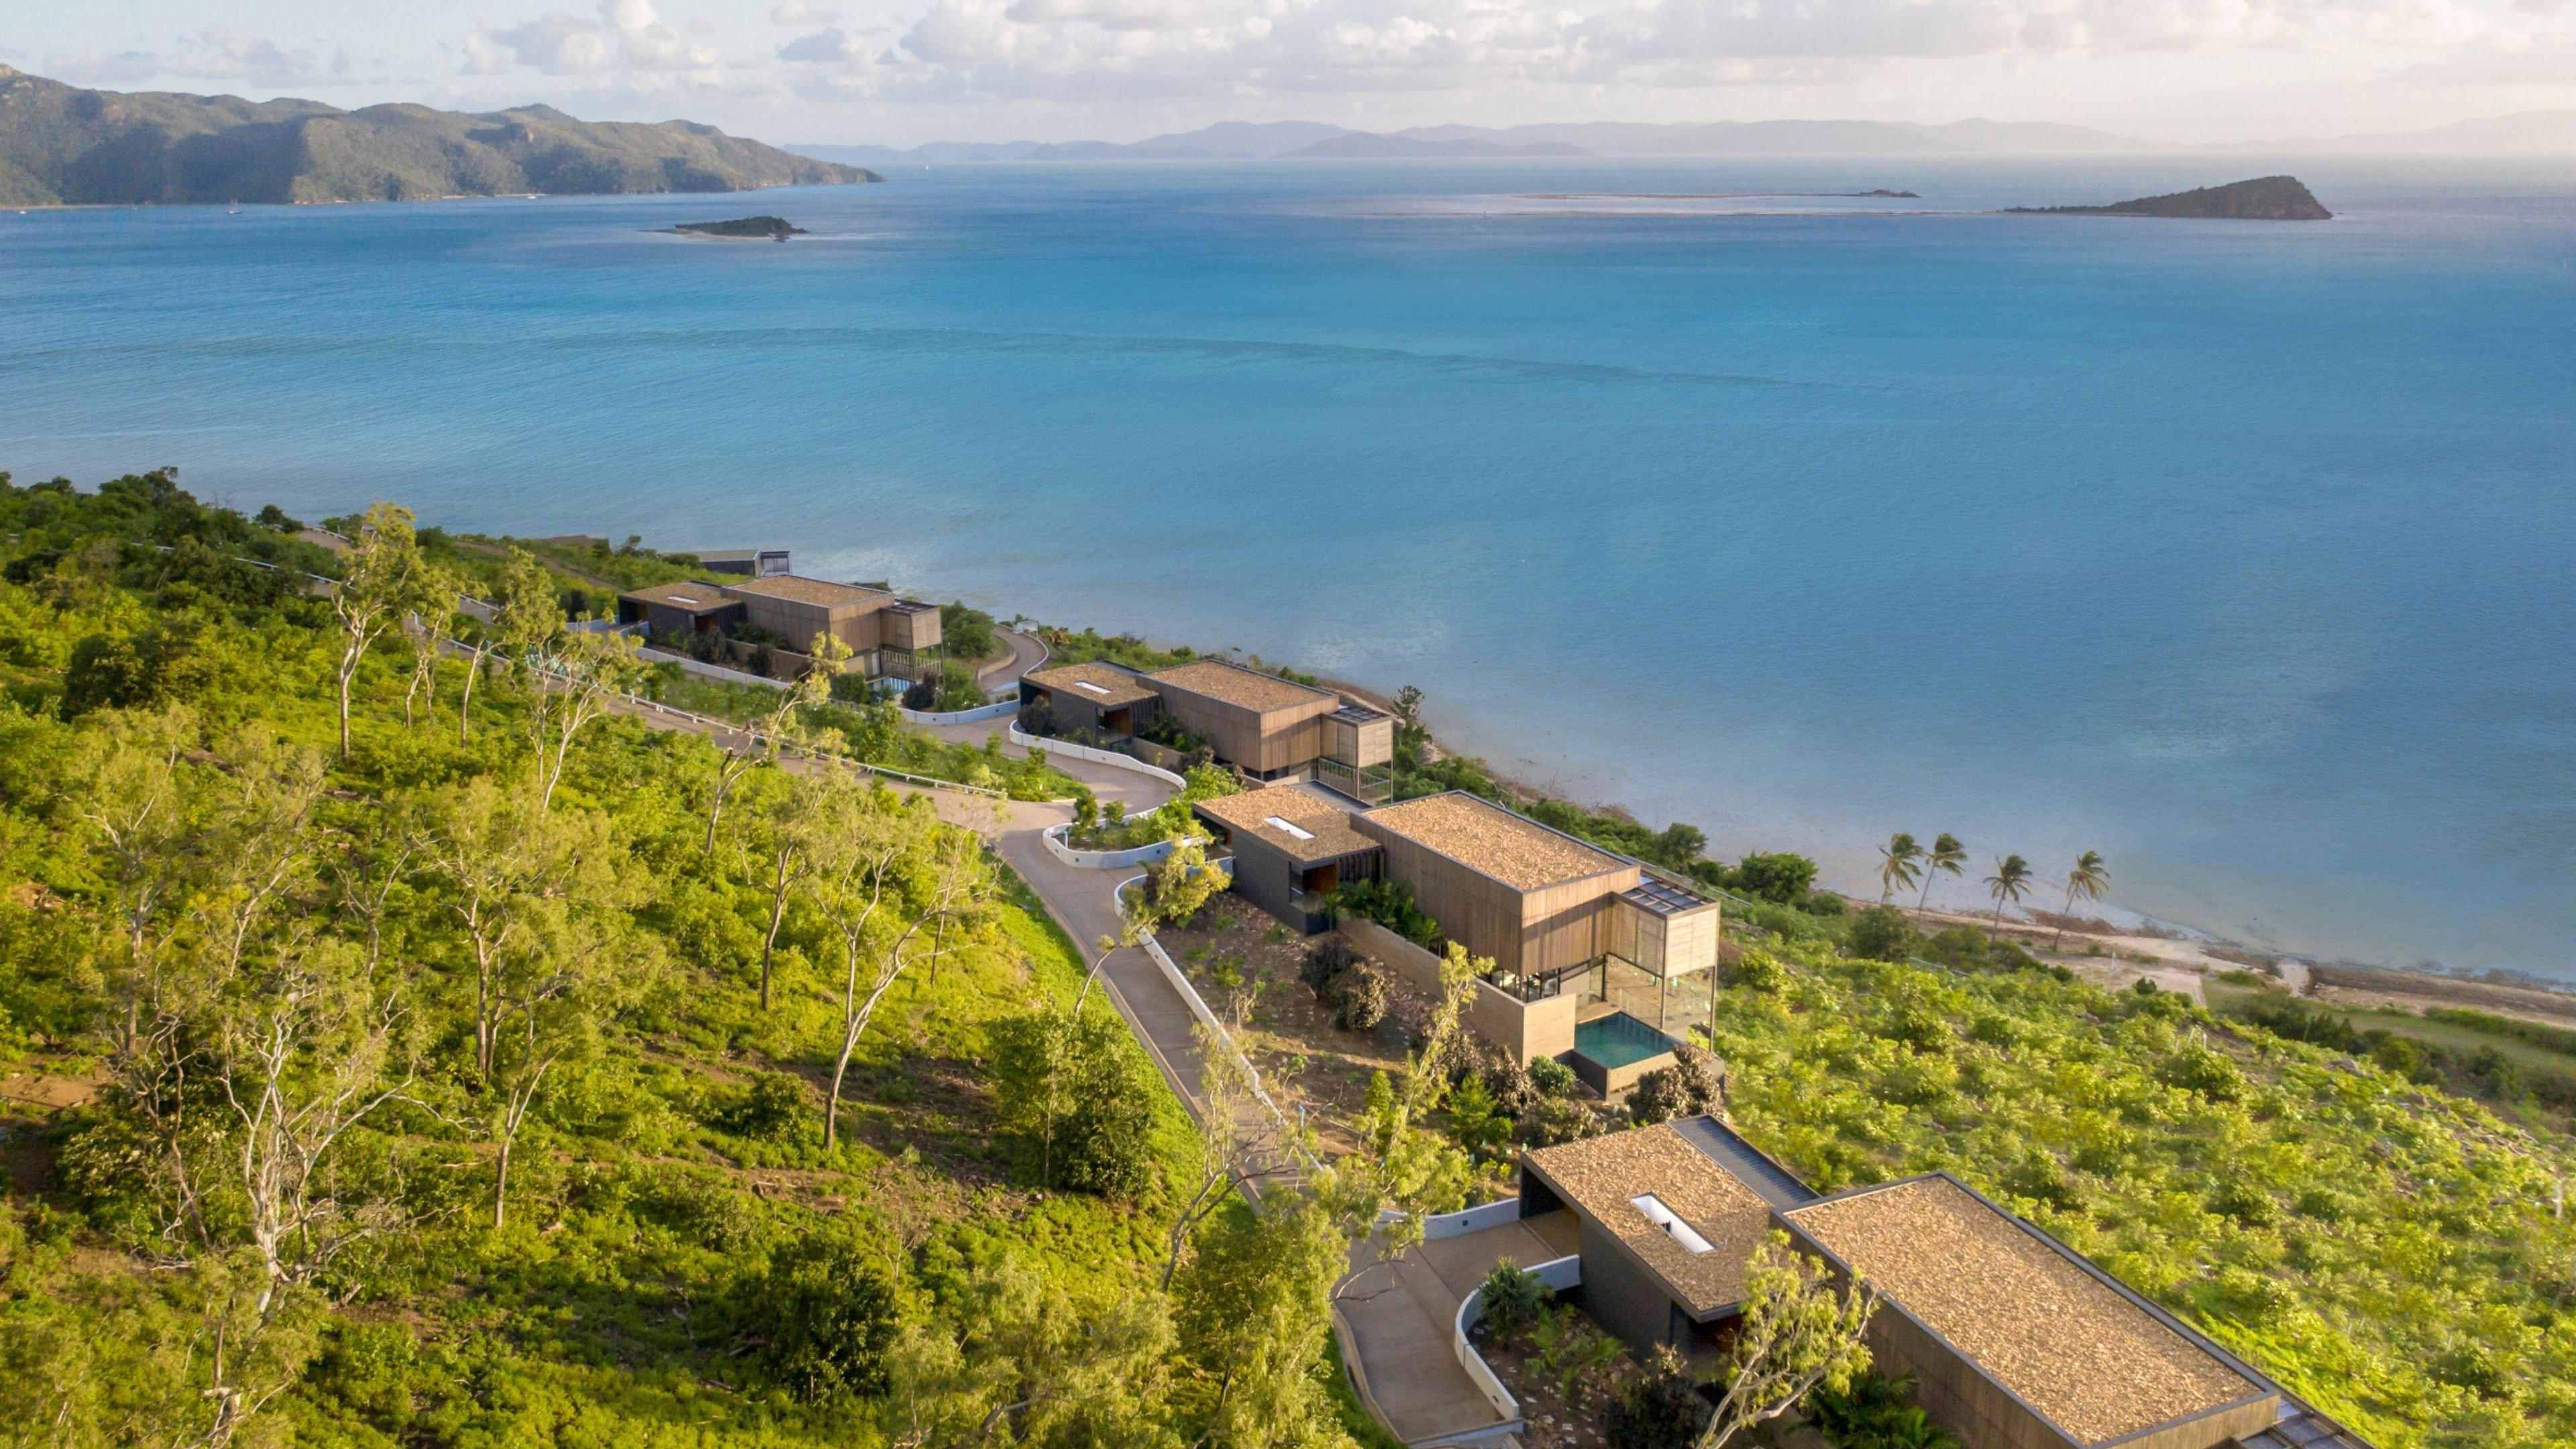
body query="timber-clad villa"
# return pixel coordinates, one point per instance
(1266, 727)
(2014, 1340)
(1595, 963)
(886, 635)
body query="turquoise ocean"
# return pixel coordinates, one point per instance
(2239, 552)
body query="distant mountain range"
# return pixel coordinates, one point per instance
(2528, 133)
(63, 144)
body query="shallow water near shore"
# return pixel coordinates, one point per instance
(2236, 551)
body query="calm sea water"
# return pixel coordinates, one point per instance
(2238, 552)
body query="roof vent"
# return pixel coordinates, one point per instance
(1670, 1221)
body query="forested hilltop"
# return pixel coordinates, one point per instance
(450, 1087)
(61, 144)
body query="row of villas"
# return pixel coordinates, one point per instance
(2014, 1340)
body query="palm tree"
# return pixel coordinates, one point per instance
(1946, 854)
(1896, 864)
(2011, 878)
(2088, 879)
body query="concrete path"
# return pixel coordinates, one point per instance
(1026, 654)
(1400, 1317)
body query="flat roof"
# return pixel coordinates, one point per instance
(1355, 713)
(734, 555)
(1601, 1178)
(1304, 825)
(1510, 847)
(1247, 688)
(695, 597)
(2031, 1316)
(797, 589)
(1664, 898)
(1103, 684)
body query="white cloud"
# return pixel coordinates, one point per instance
(627, 36)
(824, 47)
(213, 54)
(797, 12)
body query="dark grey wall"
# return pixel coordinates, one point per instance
(1619, 1294)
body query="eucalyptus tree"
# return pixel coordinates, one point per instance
(787, 843)
(1798, 1332)
(888, 877)
(1946, 855)
(1899, 864)
(379, 580)
(763, 740)
(2011, 879)
(536, 898)
(427, 613)
(2087, 881)
(144, 811)
(526, 617)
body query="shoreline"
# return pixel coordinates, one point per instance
(2175, 945)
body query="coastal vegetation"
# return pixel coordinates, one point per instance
(65, 145)
(2387, 1249)
(496, 1089)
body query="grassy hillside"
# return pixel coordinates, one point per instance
(2385, 1249)
(370, 1100)
(62, 144)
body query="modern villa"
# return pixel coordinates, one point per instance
(2014, 1340)
(1596, 963)
(1266, 727)
(759, 563)
(886, 635)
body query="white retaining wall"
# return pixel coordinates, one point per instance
(1098, 757)
(1560, 1274)
(1010, 706)
(1054, 835)
(708, 671)
(1472, 1220)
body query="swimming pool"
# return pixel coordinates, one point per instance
(1619, 1040)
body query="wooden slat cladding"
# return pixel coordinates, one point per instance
(1525, 932)
(1262, 741)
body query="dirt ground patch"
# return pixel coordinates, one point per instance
(1245, 965)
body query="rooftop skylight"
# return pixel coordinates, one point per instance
(1087, 684)
(1276, 823)
(1671, 1222)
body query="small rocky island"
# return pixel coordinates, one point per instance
(743, 228)
(2265, 198)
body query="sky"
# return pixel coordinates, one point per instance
(903, 72)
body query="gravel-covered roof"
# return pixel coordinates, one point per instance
(1601, 1176)
(1513, 849)
(1109, 688)
(797, 589)
(682, 595)
(1255, 812)
(2071, 1345)
(1248, 688)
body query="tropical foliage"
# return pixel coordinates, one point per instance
(2388, 1251)
(490, 1087)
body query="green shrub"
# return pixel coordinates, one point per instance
(1661, 1409)
(1688, 1088)
(1882, 933)
(828, 1314)
(1775, 876)
(2202, 1068)
(1554, 1078)
(1513, 1301)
